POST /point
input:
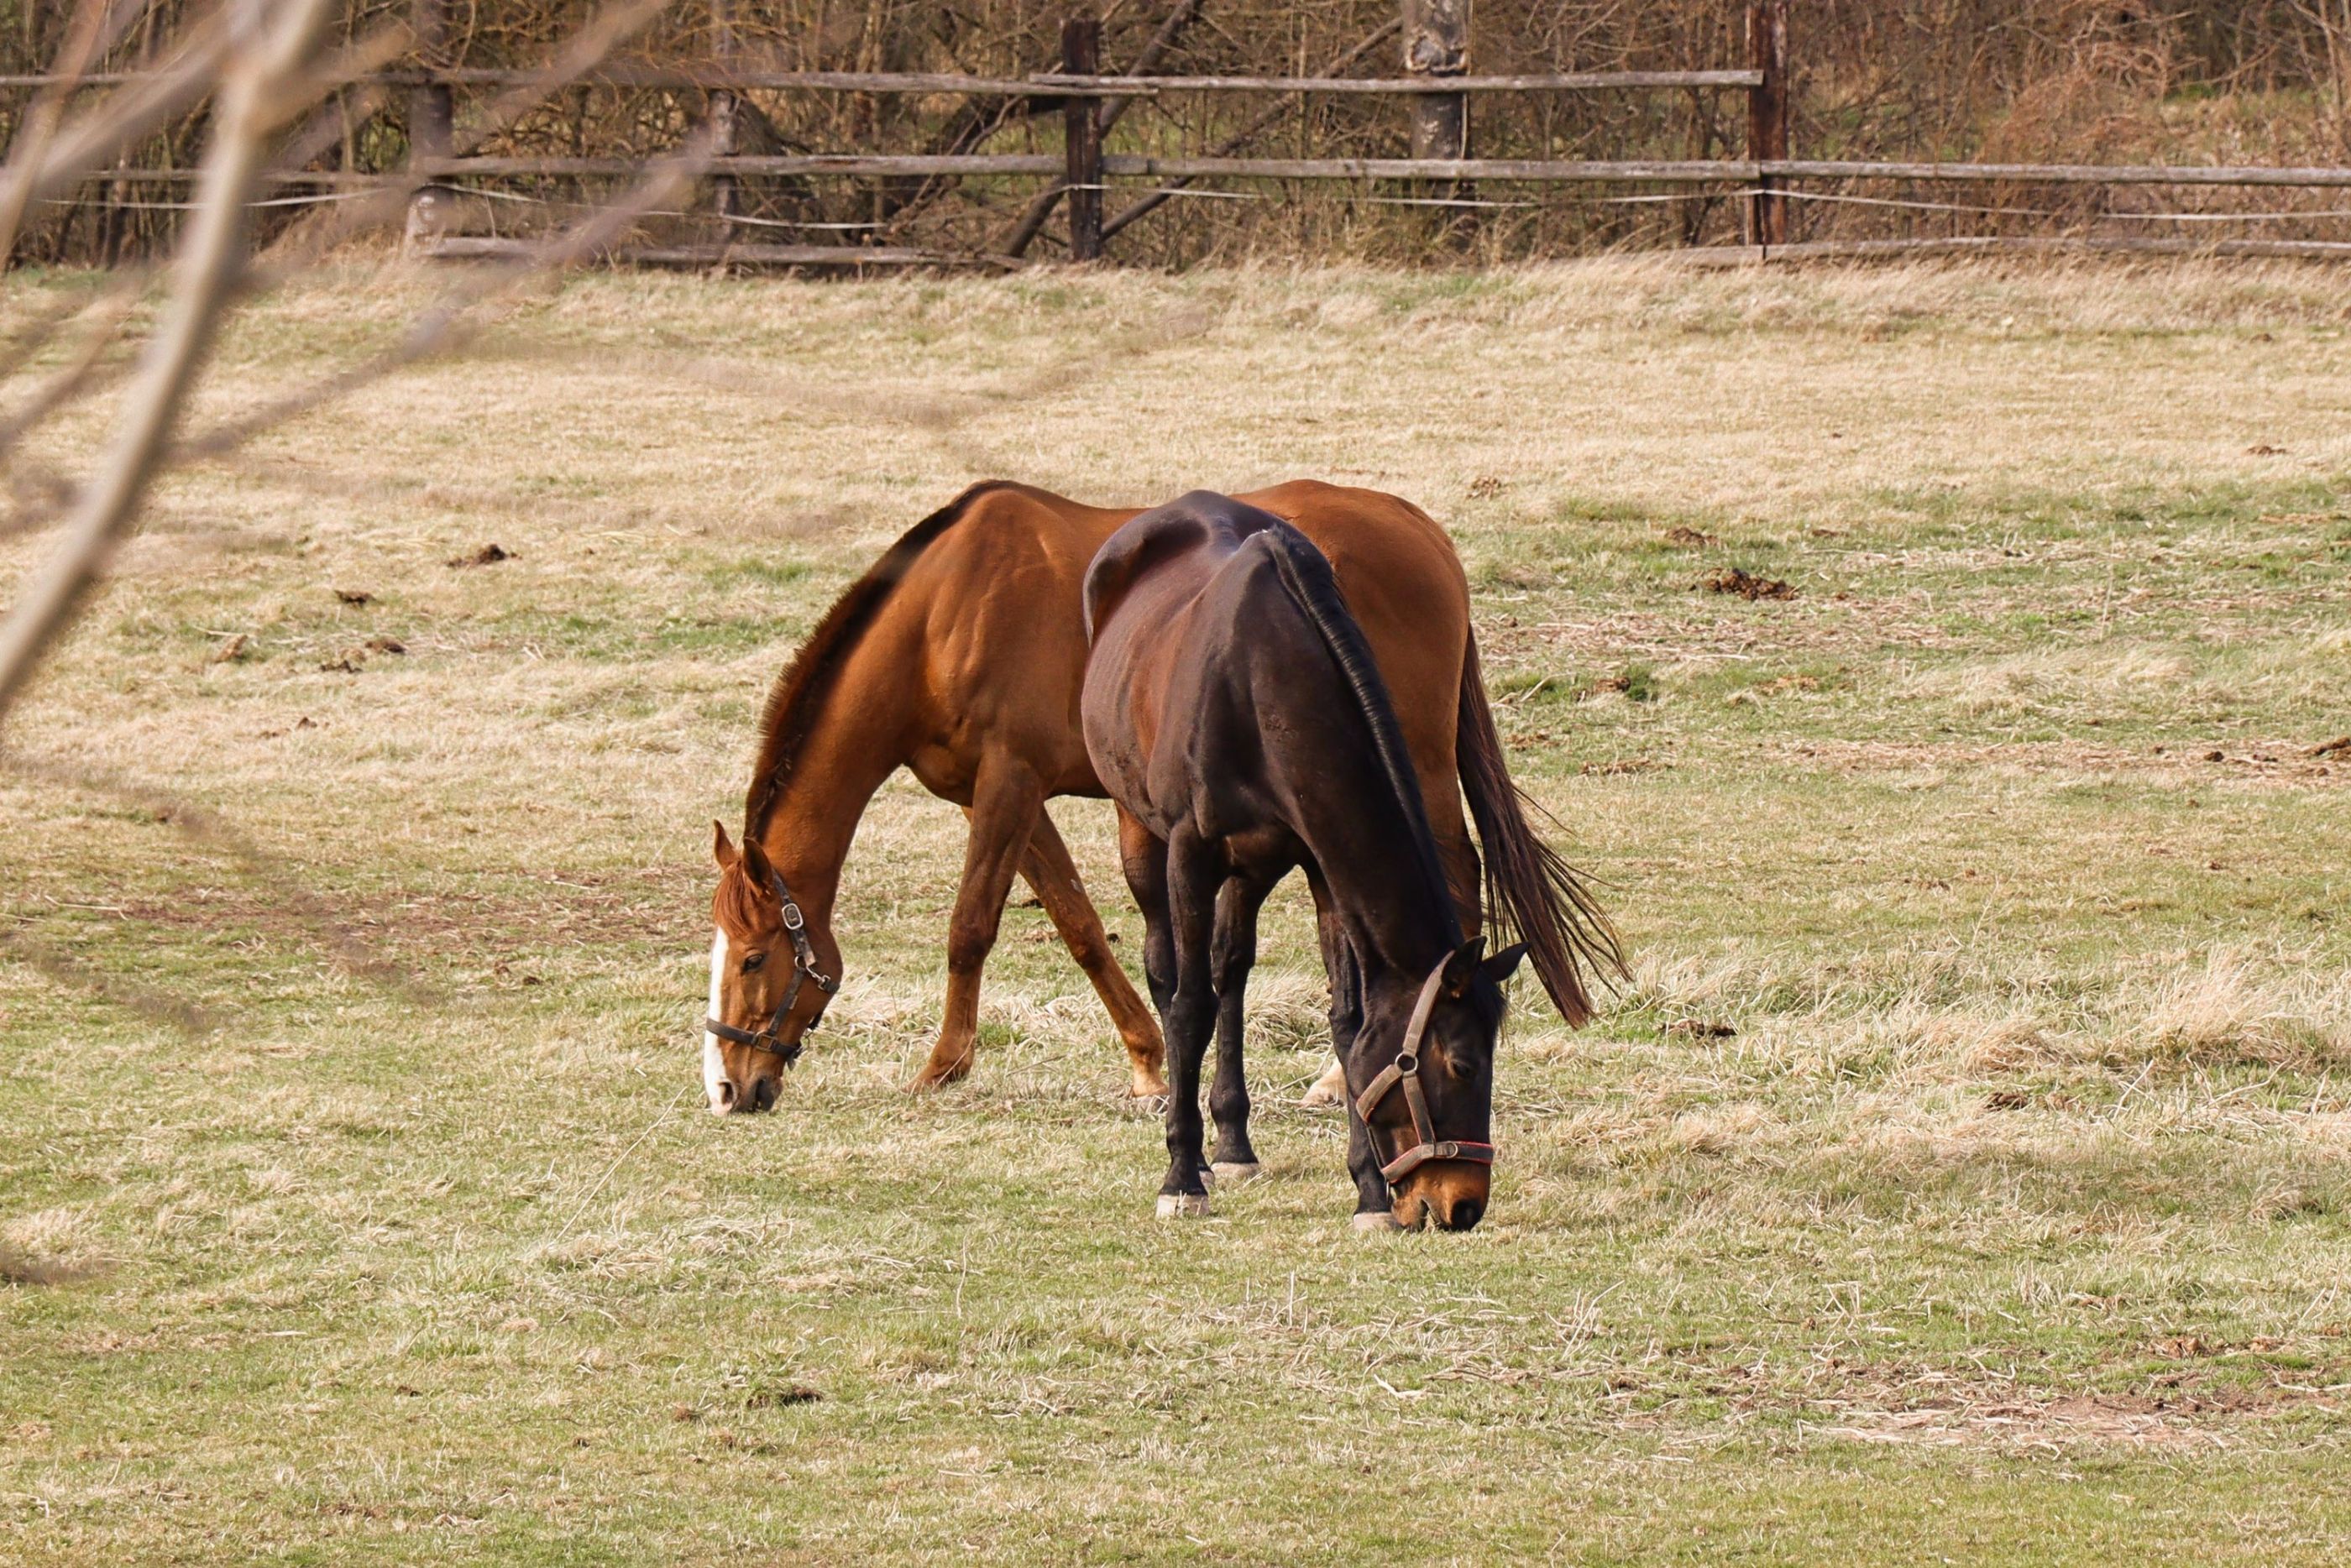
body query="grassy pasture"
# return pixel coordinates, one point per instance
(1967, 1177)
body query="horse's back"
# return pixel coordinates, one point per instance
(1176, 601)
(1192, 533)
(992, 607)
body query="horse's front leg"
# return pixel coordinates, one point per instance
(1346, 1002)
(1374, 1210)
(1192, 875)
(1234, 953)
(1048, 870)
(1006, 803)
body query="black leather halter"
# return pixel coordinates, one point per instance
(770, 1039)
(1405, 1071)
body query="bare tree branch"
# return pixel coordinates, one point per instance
(1275, 110)
(273, 44)
(1025, 229)
(95, 26)
(128, 114)
(446, 322)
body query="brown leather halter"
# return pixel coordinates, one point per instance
(1405, 1070)
(770, 1039)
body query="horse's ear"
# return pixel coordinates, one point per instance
(721, 849)
(1462, 964)
(755, 862)
(1503, 964)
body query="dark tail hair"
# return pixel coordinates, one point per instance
(1306, 574)
(1530, 889)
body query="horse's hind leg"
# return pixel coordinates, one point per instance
(1006, 803)
(1193, 876)
(1234, 953)
(1049, 870)
(1142, 856)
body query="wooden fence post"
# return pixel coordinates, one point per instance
(719, 108)
(1436, 44)
(1081, 132)
(1768, 113)
(431, 118)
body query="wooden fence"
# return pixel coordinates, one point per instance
(1089, 101)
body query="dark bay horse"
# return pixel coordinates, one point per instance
(1235, 713)
(959, 654)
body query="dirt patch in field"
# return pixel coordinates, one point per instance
(587, 912)
(2277, 763)
(2123, 1418)
(19, 1269)
(1696, 637)
(1748, 585)
(1879, 1402)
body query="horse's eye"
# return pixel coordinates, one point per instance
(752, 963)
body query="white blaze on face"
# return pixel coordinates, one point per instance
(714, 1065)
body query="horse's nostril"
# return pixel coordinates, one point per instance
(726, 1096)
(763, 1093)
(1464, 1214)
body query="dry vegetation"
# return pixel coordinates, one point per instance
(2187, 81)
(1965, 1174)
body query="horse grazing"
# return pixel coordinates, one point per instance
(1235, 713)
(959, 654)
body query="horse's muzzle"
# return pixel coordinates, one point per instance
(1448, 1194)
(760, 1097)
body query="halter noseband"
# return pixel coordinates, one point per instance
(1405, 1070)
(803, 968)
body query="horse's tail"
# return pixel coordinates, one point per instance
(1306, 576)
(1530, 891)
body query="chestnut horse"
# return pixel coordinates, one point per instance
(1234, 712)
(959, 654)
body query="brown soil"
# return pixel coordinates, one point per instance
(1747, 586)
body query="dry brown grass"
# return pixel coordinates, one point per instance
(1986, 1035)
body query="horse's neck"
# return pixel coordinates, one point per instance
(1393, 921)
(857, 742)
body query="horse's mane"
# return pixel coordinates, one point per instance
(1306, 573)
(799, 691)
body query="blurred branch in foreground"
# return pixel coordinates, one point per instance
(264, 67)
(268, 48)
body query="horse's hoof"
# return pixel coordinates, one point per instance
(1183, 1205)
(1330, 1089)
(1376, 1222)
(1149, 1093)
(937, 1077)
(1237, 1170)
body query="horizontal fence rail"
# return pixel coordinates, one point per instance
(1045, 85)
(1089, 100)
(1124, 165)
(1566, 81)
